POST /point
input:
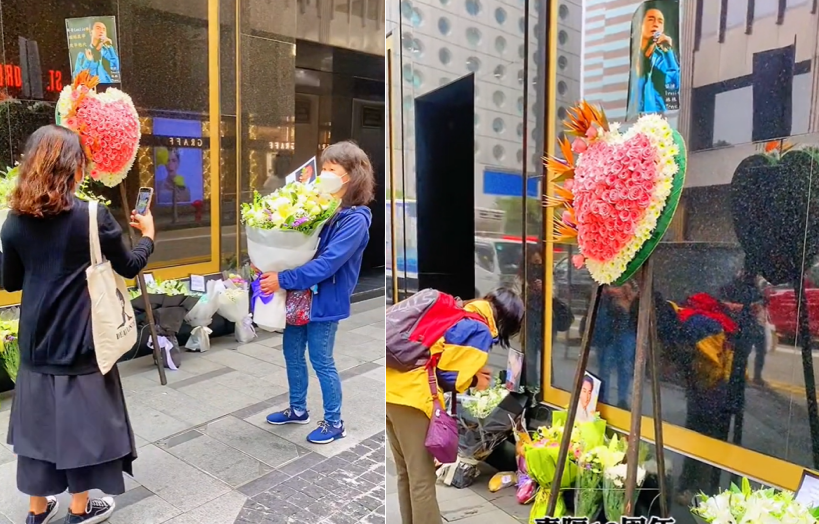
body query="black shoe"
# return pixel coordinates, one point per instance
(52, 507)
(97, 510)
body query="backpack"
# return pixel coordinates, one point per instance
(414, 325)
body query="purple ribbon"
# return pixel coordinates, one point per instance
(256, 288)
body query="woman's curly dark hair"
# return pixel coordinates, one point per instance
(47, 179)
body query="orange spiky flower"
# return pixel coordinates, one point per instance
(582, 117)
(777, 148)
(585, 122)
(84, 78)
(560, 168)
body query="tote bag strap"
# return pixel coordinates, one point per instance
(94, 234)
(432, 378)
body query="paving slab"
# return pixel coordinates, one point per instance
(175, 481)
(264, 446)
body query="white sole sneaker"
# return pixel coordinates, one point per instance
(343, 434)
(102, 517)
(300, 422)
(54, 510)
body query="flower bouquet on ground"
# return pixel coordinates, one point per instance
(9, 350)
(484, 423)
(744, 505)
(588, 497)
(614, 476)
(541, 459)
(171, 300)
(201, 315)
(234, 305)
(283, 233)
(614, 490)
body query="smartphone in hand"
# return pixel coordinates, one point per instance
(143, 203)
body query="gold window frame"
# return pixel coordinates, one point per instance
(752, 464)
(183, 268)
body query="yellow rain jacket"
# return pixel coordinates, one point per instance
(464, 350)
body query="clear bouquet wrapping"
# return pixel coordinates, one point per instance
(283, 233)
(201, 315)
(234, 305)
(485, 420)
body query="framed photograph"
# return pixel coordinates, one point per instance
(93, 46)
(589, 393)
(514, 369)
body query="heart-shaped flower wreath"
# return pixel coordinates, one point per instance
(619, 196)
(108, 125)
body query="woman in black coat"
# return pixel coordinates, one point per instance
(69, 425)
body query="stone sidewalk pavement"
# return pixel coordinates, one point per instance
(207, 455)
(472, 505)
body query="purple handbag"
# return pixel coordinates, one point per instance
(297, 307)
(442, 434)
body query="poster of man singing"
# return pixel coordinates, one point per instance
(92, 47)
(654, 75)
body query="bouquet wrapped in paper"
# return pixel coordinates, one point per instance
(234, 305)
(541, 459)
(283, 233)
(201, 315)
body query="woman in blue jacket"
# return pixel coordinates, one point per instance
(332, 275)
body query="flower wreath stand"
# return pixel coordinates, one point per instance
(109, 129)
(617, 198)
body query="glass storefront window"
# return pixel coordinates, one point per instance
(743, 241)
(171, 85)
(484, 45)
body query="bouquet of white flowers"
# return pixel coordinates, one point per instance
(744, 505)
(283, 233)
(614, 490)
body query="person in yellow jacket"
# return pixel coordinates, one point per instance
(464, 351)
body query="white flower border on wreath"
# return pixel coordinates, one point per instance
(111, 94)
(661, 136)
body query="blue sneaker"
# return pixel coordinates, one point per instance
(326, 433)
(288, 416)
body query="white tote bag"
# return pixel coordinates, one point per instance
(112, 316)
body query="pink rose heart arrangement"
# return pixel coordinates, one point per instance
(108, 125)
(619, 195)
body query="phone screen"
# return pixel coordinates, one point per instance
(143, 201)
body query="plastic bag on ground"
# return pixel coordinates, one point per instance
(277, 250)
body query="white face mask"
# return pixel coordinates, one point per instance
(329, 182)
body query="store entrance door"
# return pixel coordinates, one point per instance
(445, 178)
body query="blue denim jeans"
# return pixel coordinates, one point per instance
(319, 338)
(618, 357)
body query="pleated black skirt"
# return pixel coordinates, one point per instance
(70, 433)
